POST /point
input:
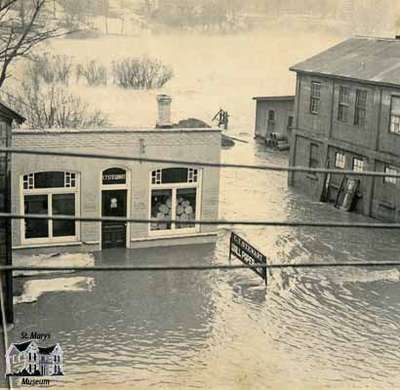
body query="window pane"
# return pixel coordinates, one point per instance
(174, 175)
(315, 89)
(361, 98)
(358, 165)
(36, 228)
(314, 158)
(343, 113)
(360, 110)
(391, 171)
(395, 124)
(161, 204)
(63, 204)
(340, 161)
(49, 179)
(344, 95)
(290, 122)
(396, 105)
(271, 115)
(185, 207)
(360, 115)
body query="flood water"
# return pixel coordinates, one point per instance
(310, 329)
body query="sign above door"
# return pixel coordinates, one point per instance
(114, 176)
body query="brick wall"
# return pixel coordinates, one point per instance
(181, 144)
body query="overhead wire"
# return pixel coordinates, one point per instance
(333, 224)
(265, 167)
(222, 222)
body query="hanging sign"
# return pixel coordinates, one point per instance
(248, 255)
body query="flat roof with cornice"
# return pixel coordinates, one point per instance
(116, 130)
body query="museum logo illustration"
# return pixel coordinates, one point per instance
(29, 359)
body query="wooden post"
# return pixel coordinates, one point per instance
(266, 274)
(230, 247)
(5, 224)
(8, 285)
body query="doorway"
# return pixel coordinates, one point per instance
(114, 204)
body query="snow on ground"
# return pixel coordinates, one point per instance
(51, 260)
(33, 289)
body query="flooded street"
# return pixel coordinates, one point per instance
(310, 329)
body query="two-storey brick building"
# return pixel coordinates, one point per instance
(347, 116)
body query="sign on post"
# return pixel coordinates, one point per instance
(248, 255)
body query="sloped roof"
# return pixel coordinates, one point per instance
(376, 60)
(22, 346)
(11, 114)
(47, 350)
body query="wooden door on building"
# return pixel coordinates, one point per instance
(114, 204)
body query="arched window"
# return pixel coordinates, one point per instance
(175, 196)
(50, 193)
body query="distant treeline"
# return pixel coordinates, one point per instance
(219, 14)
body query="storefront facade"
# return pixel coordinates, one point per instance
(82, 187)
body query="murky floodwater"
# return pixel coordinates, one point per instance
(311, 329)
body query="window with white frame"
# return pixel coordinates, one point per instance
(175, 195)
(390, 170)
(50, 193)
(340, 160)
(315, 98)
(395, 115)
(358, 164)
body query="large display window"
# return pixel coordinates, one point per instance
(175, 196)
(50, 193)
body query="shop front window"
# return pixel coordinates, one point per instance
(174, 197)
(36, 204)
(63, 204)
(51, 194)
(161, 206)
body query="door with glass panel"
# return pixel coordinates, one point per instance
(114, 205)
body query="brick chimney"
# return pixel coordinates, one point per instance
(164, 111)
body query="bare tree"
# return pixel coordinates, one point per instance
(23, 25)
(47, 106)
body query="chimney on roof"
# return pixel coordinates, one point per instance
(164, 111)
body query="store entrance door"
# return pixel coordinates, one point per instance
(114, 205)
